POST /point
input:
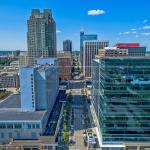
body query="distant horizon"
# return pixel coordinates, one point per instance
(105, 18)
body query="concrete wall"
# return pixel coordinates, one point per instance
(26, 88)
(10, 134)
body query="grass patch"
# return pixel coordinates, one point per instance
(4, 94)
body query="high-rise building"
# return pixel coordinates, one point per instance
(120, 96)
(134, 49)
(90, 49)
(67, 45)
(84, 37)
(41, 35)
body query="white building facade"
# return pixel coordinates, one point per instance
(90, 49)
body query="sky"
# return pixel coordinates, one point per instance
(113, 20)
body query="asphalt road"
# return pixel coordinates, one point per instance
(76, 84)
(79, 126)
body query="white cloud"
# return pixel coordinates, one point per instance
(96, 12)
(126, 32)
(58, 31)
(133, 29)
(146, 33)
(145, 21)
(146, 27)
(137, 36)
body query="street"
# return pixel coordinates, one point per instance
(78, 123)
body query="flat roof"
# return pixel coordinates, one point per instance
(12, 101)
(125, 57)
(10, 110)
(96, 60)
(20, 115)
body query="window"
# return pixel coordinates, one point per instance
(2, 135)
(2, 126)
(18, 126)
(10, 135)
(37, 126)
(33, 126)
(10, 126)
(29, 126)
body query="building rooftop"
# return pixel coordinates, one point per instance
(96, 60)
(128, 45)
(63, 54)
(44, 61)
(129, 57)
(10, 110)
(95, 41)
(8, 74)
(13, 101)
(19, 115)
(110, 48)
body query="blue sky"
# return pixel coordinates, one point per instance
(113, 20)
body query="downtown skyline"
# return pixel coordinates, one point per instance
(116, 21)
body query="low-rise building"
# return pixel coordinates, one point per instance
(65, 65)
(35, 114)
(14, 64)
(113, 52)
(9, 80)
(134, 49)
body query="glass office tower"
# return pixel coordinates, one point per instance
(85, 37)
(122, 99)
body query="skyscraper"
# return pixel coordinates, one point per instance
(120, 96)
(41, 35)
(67, 45)
(90, 49)
(84, 37)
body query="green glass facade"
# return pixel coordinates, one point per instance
(121, 97)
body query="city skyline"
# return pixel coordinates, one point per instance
(74, 75)
(111, 20)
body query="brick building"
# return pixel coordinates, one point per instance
(65, 65)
